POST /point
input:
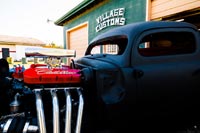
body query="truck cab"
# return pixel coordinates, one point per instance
(146, 73)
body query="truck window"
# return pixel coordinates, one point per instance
(167, 43)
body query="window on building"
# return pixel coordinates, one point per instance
(106, 49)
(111, 49)
(167, 43)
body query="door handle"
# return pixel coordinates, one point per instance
(138, 73)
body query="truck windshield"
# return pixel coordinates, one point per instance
(112, 45)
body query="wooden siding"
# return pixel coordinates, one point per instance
(160, 8)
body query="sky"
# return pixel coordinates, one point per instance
(28, 18)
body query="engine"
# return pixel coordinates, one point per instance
(40, 99)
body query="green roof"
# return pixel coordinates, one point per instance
(80, 8)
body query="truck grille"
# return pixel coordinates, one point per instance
(56, 111)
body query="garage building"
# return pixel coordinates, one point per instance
(93, 17)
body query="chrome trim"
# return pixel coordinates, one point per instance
(80, 112)
(25, 130)
(55, 104)
(40, 111)
(68, 112)
(7, 125)
(59, 88)
(32, 129)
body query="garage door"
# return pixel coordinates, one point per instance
(78, 39)
(160, 8)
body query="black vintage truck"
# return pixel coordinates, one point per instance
(146, 75)
(141, 77)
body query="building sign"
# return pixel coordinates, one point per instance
(111, 18)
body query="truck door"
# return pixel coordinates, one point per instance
(163, 66)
